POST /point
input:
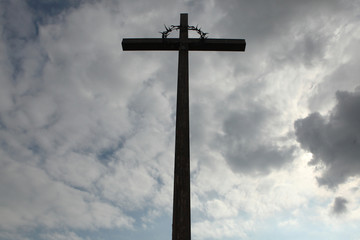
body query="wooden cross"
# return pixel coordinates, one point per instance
(181, 228)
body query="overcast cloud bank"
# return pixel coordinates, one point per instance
(87, 131)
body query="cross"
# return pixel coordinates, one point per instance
(181, 228)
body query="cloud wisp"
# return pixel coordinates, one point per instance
(339, 206)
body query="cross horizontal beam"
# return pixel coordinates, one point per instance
(194, 44)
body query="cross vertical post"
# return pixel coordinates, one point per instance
(181, 228)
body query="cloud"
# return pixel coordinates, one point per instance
(347, 71)
(219, 209)
(61, 236)
(334, 140)
(339, 206)
(50, 8)
(29, 198)
(228, 228)
(87, 130)
(17, 28)
(246, 147)
(251, 116)
(70, 122)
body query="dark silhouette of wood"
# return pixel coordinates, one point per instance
(181, 228)
(194, 44)
(181, 201)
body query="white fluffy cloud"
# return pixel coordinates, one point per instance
(31, 198)
(61, 125)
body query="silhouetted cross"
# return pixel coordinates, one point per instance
(181, 228)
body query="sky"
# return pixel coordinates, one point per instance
(87, 130)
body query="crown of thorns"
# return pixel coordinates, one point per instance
(168, 30)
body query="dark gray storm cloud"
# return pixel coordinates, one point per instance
(247, 148)
(339, 206)
(334, 140)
